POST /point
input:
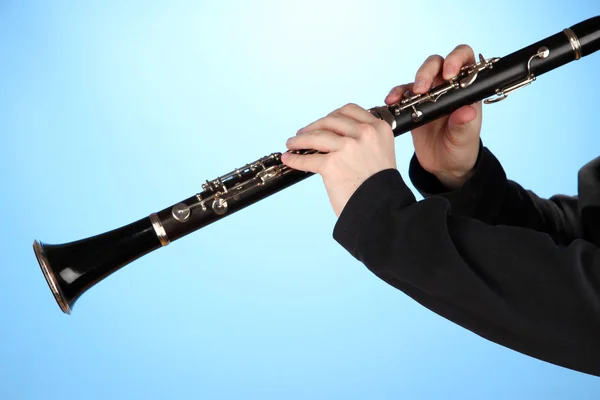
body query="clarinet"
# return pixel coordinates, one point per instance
(72, 268)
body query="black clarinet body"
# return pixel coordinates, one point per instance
(72, 268)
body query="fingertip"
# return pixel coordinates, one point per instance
(394, 94)
(450, 71)
(292, 144)
(421, 86)
(391, 98)
(462, 116)
(286, 157)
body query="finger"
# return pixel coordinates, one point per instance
(320, 140)
(462, 116)
(397, 92)
(357, 113)
(430, 69)
(461, 55)
(304, 162)
(337, 123)
(461, 129)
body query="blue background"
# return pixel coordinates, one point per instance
(109, 112)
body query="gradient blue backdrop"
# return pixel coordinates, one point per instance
(109, 112)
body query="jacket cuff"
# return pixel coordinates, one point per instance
(365, 202)
(487, 177)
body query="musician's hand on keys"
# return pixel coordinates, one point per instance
(449, 146)
(358, 145)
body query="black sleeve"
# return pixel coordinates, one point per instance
(511, 285)
(491, 198)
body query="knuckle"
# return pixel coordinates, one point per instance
(434, 57)
(349, 106)
(399, 89)
(463, 50)
(329, 122)
(366, 130)
(463, 46)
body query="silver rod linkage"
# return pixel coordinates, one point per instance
(502, 94)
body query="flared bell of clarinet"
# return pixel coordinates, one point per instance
(72, 268)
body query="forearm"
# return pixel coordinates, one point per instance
(510, 285)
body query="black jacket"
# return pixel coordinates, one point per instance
(519, 270)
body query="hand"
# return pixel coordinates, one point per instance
(448, 147)
(357, 146)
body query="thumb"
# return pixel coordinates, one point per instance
(462, 123)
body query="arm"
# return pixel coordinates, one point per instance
(511, 285)
(490, 197)
(450, 162)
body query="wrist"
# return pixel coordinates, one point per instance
(455, 178)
